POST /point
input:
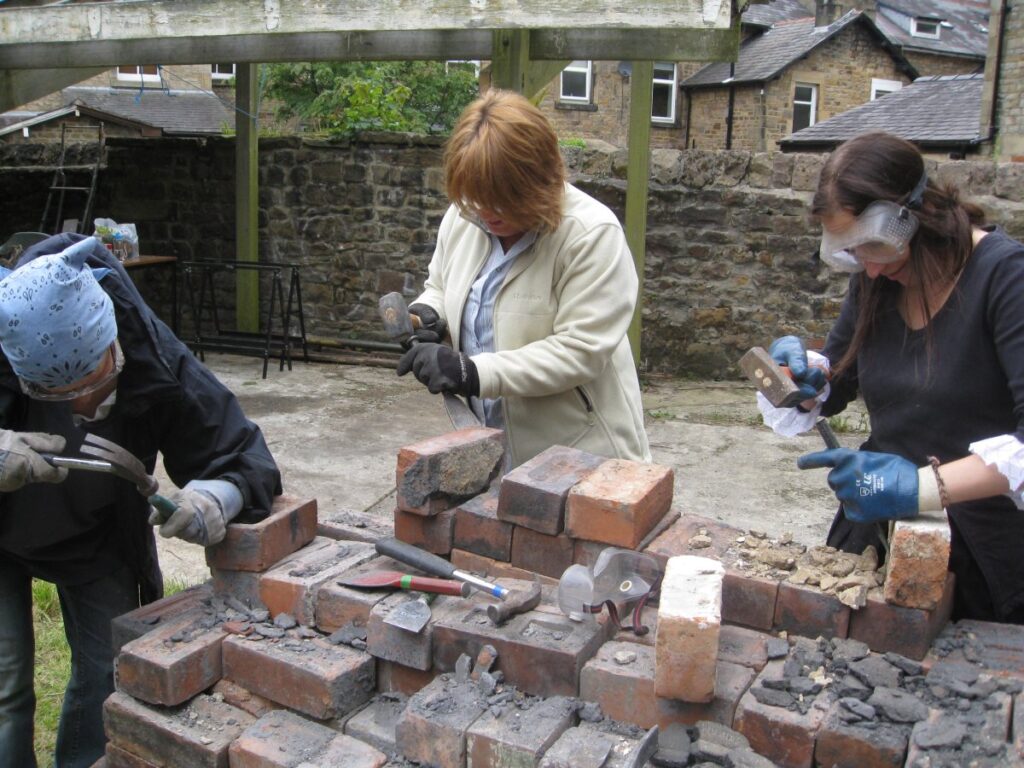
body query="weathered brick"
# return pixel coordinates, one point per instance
(520, 735)
(243, 586)
(494, 570)
(740, 645)
(809, 612)
(350, 525)
(290, 526)
(292, 586)
(1017, 727)
(539, 652)
(135, 624)
(907, 631)
(478, 529)
(689, 622)
(311, 676)
(338, 605)
(578, 748)
(980, 746)
(116, 757)
(173, 663)
(534, 493)
(996, 648)
(375, 723)
(243, 698)
(845, 745)
(398, 678)
(918, 560)
(540, 552)
(432, 729)
(195, 734)
(411, 649)
(433, 533)
(619, 502)
(437, 473)
(283, 739)
(781, 735)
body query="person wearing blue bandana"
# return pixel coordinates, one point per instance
(83, 353)
(931, 336)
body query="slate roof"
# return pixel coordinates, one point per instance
(763, 57)
(767, 14)
(937, 111)
(964, 33)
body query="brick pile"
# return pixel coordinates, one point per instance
(760, 652)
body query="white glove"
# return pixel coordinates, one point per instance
(20, 462)
(205, 507)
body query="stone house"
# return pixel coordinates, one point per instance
(939, 37)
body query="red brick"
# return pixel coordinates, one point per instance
(386, 641)
(740, 645)
(437, 473)
(539, 652)
(349, 525)
(243, 698)
(375, 723)
(915, 573)
(907, 631)
(579, 747)
(478, 529)
(282, 739)
(993, 729)
(749, 600)
(996, 648)
(541, 553)
(398, 678)
(781, 735)
(196, 734)
(520, 735)
(135, 624)
(624, 689)
(842, 745)
(619, 502)
(119, 758)
(1017, 727)
(494, 570)
(338, 605)
(313, 677)
(292, 586)
(257, 546)
(433, 533)
(806, 611)
(160, 669)
(436, 735)
(534, 493)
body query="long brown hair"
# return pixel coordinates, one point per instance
(503, 155)
(880, 166)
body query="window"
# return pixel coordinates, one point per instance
(663, 93)
(881, 87)
(925, 28)
(468, 65)
(139, 73)
(222, 72)
(576, 82)
(805, 106)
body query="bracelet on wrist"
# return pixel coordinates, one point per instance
(943, 493)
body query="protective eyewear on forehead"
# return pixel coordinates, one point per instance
(39, 392)
(881, 234)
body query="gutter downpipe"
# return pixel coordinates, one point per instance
(729, 112)
(989, 124)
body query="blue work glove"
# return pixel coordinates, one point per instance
(789, 351)
(871, 486)
(441, 369)
(432, 328)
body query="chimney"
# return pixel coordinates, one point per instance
(826, 11)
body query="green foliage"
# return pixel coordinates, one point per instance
(573, 141)
(344, 98)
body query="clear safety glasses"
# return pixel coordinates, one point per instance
(39, 392)
(881, 234)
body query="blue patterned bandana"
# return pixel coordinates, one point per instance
(56, 322)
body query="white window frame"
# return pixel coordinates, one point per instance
(221, 77)
(916, 31)
(669, 119)
(813, 103)
(138, 76)
(574, 67)
(888, 86)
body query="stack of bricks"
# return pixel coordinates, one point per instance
(273, 662)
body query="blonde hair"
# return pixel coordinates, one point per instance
(503, 156)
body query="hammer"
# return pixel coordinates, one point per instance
(775, 382)
(519, 601)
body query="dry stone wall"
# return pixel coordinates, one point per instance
(730, 250)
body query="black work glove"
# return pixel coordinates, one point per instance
(432, 328)
(441, 369)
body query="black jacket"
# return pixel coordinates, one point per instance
(167, 401)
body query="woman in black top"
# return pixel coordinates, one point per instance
(931, 335)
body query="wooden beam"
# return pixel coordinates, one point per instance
(20, 86)
(247, 304)
(628, 45)
(637, 178)
(510, 59)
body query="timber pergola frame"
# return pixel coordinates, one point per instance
(45, 48)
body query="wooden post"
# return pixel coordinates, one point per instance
(510, 59)
(637, 176)
(247, 307)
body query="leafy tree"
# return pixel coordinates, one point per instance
(344, 98)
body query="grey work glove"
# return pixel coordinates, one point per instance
(205, 507)
(20, 462)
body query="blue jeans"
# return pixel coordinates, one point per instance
(88, 610)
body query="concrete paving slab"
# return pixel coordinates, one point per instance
(335, 431)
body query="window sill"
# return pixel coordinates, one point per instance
(575, 106)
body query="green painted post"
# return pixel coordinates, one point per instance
(247, 307)
(637, 177)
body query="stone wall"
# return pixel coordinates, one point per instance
(1010, 89)
(730, 251)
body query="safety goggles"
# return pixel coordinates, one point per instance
(881, 234)
(39, 392)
